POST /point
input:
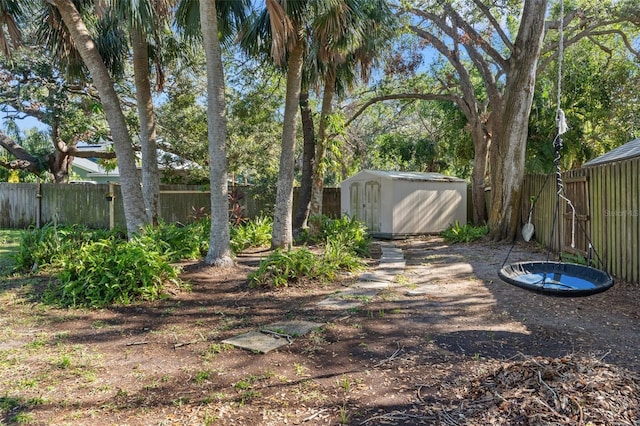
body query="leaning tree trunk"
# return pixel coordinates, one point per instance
(130, 184)
(219, 253)
(510, 138)
(321, 152)
(150, 174)
(308, 153)
(282, 217)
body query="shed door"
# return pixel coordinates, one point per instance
(371, 205)
(355, 201)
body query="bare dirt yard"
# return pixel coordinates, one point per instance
(447, 344)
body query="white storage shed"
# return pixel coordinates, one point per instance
(400, 204)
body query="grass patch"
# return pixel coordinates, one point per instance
(9, 243)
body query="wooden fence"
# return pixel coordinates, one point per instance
(100, 205)
(607, 215)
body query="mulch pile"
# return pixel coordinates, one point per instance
(533, 391)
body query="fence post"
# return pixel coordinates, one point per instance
(38, 202)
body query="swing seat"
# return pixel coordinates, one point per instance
(556, 278)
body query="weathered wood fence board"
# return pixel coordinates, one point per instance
(607, 202)
(100, 205)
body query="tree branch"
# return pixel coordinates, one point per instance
(495, 24)
(397, 96)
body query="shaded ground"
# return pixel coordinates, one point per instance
(448, 344)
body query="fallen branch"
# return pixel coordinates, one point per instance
(314, 415)
(179, 345)
(136, 343)
(277, 335)
(392, 357)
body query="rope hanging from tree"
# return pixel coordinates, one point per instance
(562, 127)
(558, 278)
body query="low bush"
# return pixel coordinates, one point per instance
(348, 231)
(344, 240)
(284, 266)
(339, 257)
(51, 244)
(111, 271)
(177, 241)
(467, 233)
(254, 233)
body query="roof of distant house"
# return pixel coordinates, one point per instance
(623, 152)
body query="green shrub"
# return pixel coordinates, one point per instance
(467, 233)
(51, 244)
(254, 233)
(340, 257)
(282, 267)
(348, 231)
(177, 241)
(111, 271)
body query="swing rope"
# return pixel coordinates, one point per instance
(562, 127)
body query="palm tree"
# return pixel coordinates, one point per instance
(230, 14)
(219, 253)
(347, 34)
(145, 19)
(131, 193)
(12, 12)
(282, 22)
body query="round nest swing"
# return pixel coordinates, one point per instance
(556, 278)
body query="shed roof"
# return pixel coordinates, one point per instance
(624, 152)
(411, 176)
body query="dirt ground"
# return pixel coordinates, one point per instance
(447, 344)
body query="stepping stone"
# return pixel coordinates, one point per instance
(392, 252)
(386, 274)
(418, 291)
(391, 264)
(337, 304)
(257, 342)
(356, 293)
(294, 327)
(263, 341)
(372, 276)
(377, 285)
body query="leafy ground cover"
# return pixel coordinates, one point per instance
(448, 343)
(9, 242)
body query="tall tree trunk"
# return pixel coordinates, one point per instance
(219, 253)
(321, 152)
(510, 139)
(481, 149)
(308, 153)
(150, 174)
(59, 166)
(282, 216)
(129, 181)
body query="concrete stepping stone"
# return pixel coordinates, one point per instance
(337, 304)
(391, 264)
(293, 328)
(377, 285)
(418, 291)
(256, 341)
(388, 275)
(272, 336)
(394, 253)
(372, 276)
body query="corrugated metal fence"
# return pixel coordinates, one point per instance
(100, 205)
(607, 214)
